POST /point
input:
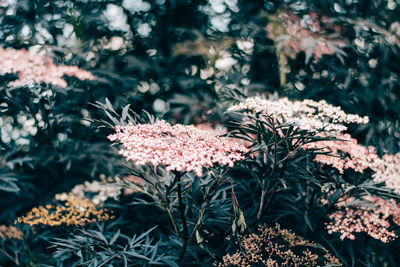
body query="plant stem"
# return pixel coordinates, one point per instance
(265, 190)
(263, 193)
(169, 211)
(276, 187)
(260, 209)
(185, 243)
(184, 223)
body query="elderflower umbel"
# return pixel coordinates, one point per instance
(307, 115)
(74, 211)
(389, 172)
(177, 147)
(97, 191)
(274, 246)
(355, 217)
(354, 156)
(36, 68)
(358, 157)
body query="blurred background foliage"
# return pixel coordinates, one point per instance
(175, 59)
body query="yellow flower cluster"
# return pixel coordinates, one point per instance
(73, 211)
(10, 232)
(273, 247)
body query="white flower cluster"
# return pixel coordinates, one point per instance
(97, 192)
(307, 115)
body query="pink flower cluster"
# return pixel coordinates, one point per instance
(348, 154)
(356, 217)
(36, 68)
(352, 155)
(178, 147)
(388, 171)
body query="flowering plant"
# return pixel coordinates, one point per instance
(279, 129)
(232, 133)
(180, 149)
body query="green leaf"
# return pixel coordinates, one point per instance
(115, 236)
(125, 111)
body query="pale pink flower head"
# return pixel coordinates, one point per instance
(357, 217)
(345, 154)
(34, 68)
(348, 154)
(389, 172)
(177, 147)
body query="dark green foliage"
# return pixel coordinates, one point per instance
(96, 248)
(164, 61)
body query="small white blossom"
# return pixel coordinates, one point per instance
(307, 115)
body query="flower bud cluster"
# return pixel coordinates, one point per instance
(73, 211)
(274, 246)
